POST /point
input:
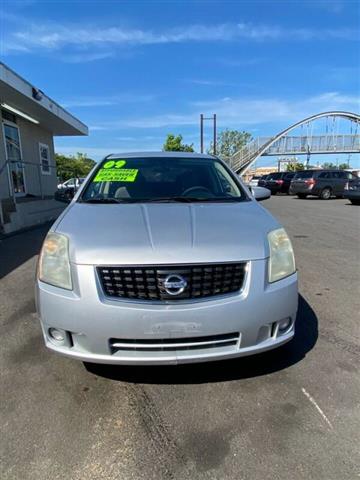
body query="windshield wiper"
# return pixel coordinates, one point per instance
(191, 199)
(171, 199)
(106, 200)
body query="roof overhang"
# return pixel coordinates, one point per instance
(24, 97)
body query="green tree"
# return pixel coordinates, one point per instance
(333, 166)
(174, 143)
(329, 165)
(294, 167)
(228, 142)
(71, 166)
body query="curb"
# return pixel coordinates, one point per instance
(4, 236)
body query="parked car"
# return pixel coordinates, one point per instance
(254, 181)
(279, 182)
(71, 183)
(66, 190)
(321, 183)
(352, 190)
(262, 181)
(165, 258)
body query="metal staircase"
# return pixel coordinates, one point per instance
(283, 144)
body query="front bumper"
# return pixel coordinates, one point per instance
(92, 321)
(352, 194)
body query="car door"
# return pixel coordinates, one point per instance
(337, 183)
(344, 178)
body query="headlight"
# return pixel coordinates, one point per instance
(54, 265)
(282, 261)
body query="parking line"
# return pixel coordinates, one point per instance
(312, 400)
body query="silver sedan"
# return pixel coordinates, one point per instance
(165, 258)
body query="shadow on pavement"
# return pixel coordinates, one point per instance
(221, 371)
(18, 248)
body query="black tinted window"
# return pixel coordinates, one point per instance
(274, 176)
(324, 175)
(337, 175)
(304, 174)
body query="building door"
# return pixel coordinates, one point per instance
(13, 155)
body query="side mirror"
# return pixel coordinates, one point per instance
(260, 193)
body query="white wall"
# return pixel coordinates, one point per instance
(30, 137)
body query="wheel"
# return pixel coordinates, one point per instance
(302, 195)
(325, 193)
(355, 201)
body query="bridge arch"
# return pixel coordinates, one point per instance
(242, 160)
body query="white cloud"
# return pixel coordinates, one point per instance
(56, 36)
(86, 57)
(210, 83)
(90, 102)
(239, 112)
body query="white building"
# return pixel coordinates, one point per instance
(29, 121)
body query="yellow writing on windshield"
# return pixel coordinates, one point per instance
(114, 164)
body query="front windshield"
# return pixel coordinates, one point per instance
(164, 179)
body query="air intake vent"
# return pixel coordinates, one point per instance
(174, 344)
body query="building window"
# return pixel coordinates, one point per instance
(14, 158)
(44, 159)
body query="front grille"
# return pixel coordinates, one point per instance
(155, 282)
(174, 344)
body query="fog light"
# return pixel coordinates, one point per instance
(57, 335)
(284, 325)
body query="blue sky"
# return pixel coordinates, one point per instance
(134, 71)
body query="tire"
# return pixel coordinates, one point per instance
(355, 201)
(301, 195)
(325, 193)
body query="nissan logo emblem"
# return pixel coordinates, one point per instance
(174, 284)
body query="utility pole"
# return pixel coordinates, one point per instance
(308, 158)
(214, 143)
(202, 118)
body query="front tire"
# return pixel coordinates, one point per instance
(355, 202)
(325, 193)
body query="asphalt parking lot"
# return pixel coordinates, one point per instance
(291, 413)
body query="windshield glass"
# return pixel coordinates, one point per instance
(161, 179)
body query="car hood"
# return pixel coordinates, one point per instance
(165, 233)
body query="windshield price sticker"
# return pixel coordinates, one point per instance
(114, 164)
(114, 175)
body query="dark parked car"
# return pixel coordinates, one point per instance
(352, 191)
(279, 182)
(321, 183)
(262, 181)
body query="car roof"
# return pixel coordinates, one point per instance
(320, 170)
(159, 155)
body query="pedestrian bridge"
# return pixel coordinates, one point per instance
(331, 141)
